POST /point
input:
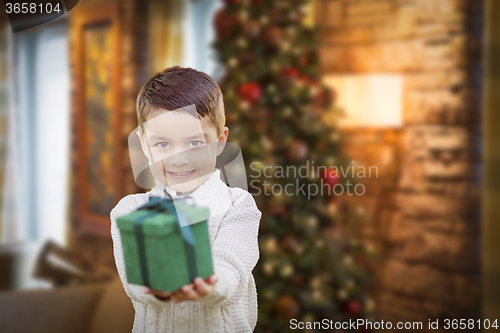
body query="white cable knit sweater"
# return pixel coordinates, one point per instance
(233, 227)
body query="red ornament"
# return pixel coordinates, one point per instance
(251, 28)
(299, 15)
(363, 261)
(231, 117)
(353, 307)
(330, 176)
(319, 98)
(279, 210)
(297, 150)
(289, 71)
(289, 244)
(277, 16)
(273, 37)
(296, 280)
(325, 97)
(246, 57)
(250, 92)
(287, 307)
(309, 80)
(224, 23)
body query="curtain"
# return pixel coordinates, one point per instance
(35, 188)
(165, 21)
(181, 33)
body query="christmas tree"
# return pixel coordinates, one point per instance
(311, 268)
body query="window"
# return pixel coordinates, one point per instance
(37, 148)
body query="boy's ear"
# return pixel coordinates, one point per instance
(221, 142)
(143, 145)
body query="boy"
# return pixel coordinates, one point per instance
(182, 147)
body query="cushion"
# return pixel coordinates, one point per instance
(57, 310)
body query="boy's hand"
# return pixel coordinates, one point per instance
(196, 290)
(161, 295)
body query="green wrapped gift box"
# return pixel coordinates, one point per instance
(166, 246)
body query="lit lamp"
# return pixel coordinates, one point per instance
(368, 100)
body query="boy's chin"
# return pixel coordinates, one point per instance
(186, 187)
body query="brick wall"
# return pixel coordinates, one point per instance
(422, 212)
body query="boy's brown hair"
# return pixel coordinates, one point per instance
(178, 87)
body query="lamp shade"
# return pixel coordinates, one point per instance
(58, 265)
(368, 100)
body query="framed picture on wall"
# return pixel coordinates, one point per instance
(96, 34)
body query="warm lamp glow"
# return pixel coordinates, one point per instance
(369, 100)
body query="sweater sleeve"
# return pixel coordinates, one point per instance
(235, 251)
(135, 292)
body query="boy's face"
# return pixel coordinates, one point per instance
(182, 149)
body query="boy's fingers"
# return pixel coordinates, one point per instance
(202, 287)
(177, 297)
(188, 292)
(159, 293)
(187, 287)
(212, 279)
(162, 294)
(194, 291)
(185, 293)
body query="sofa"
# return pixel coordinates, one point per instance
(93, 308)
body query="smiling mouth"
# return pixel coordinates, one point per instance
(181, 173)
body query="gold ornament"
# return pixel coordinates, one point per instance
(242, 43)
(285, 46)
(268, 267)
(271, 88)
(312, 222)
(244, 105)
(308, 318)
(369, 304)
(270, 245)
(317, 297)
(342, 294)
(233, 62)
(268, 294)
(243, 15)
(333, 209)
(350, 284)
(313, 91)
(330, 161)
(286, 271)
(287, 111)
(315, 282)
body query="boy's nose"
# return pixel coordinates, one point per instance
(179, 158)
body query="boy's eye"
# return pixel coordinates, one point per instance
(162, 145)
(195, 143)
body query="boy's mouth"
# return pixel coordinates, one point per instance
(181, 175)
